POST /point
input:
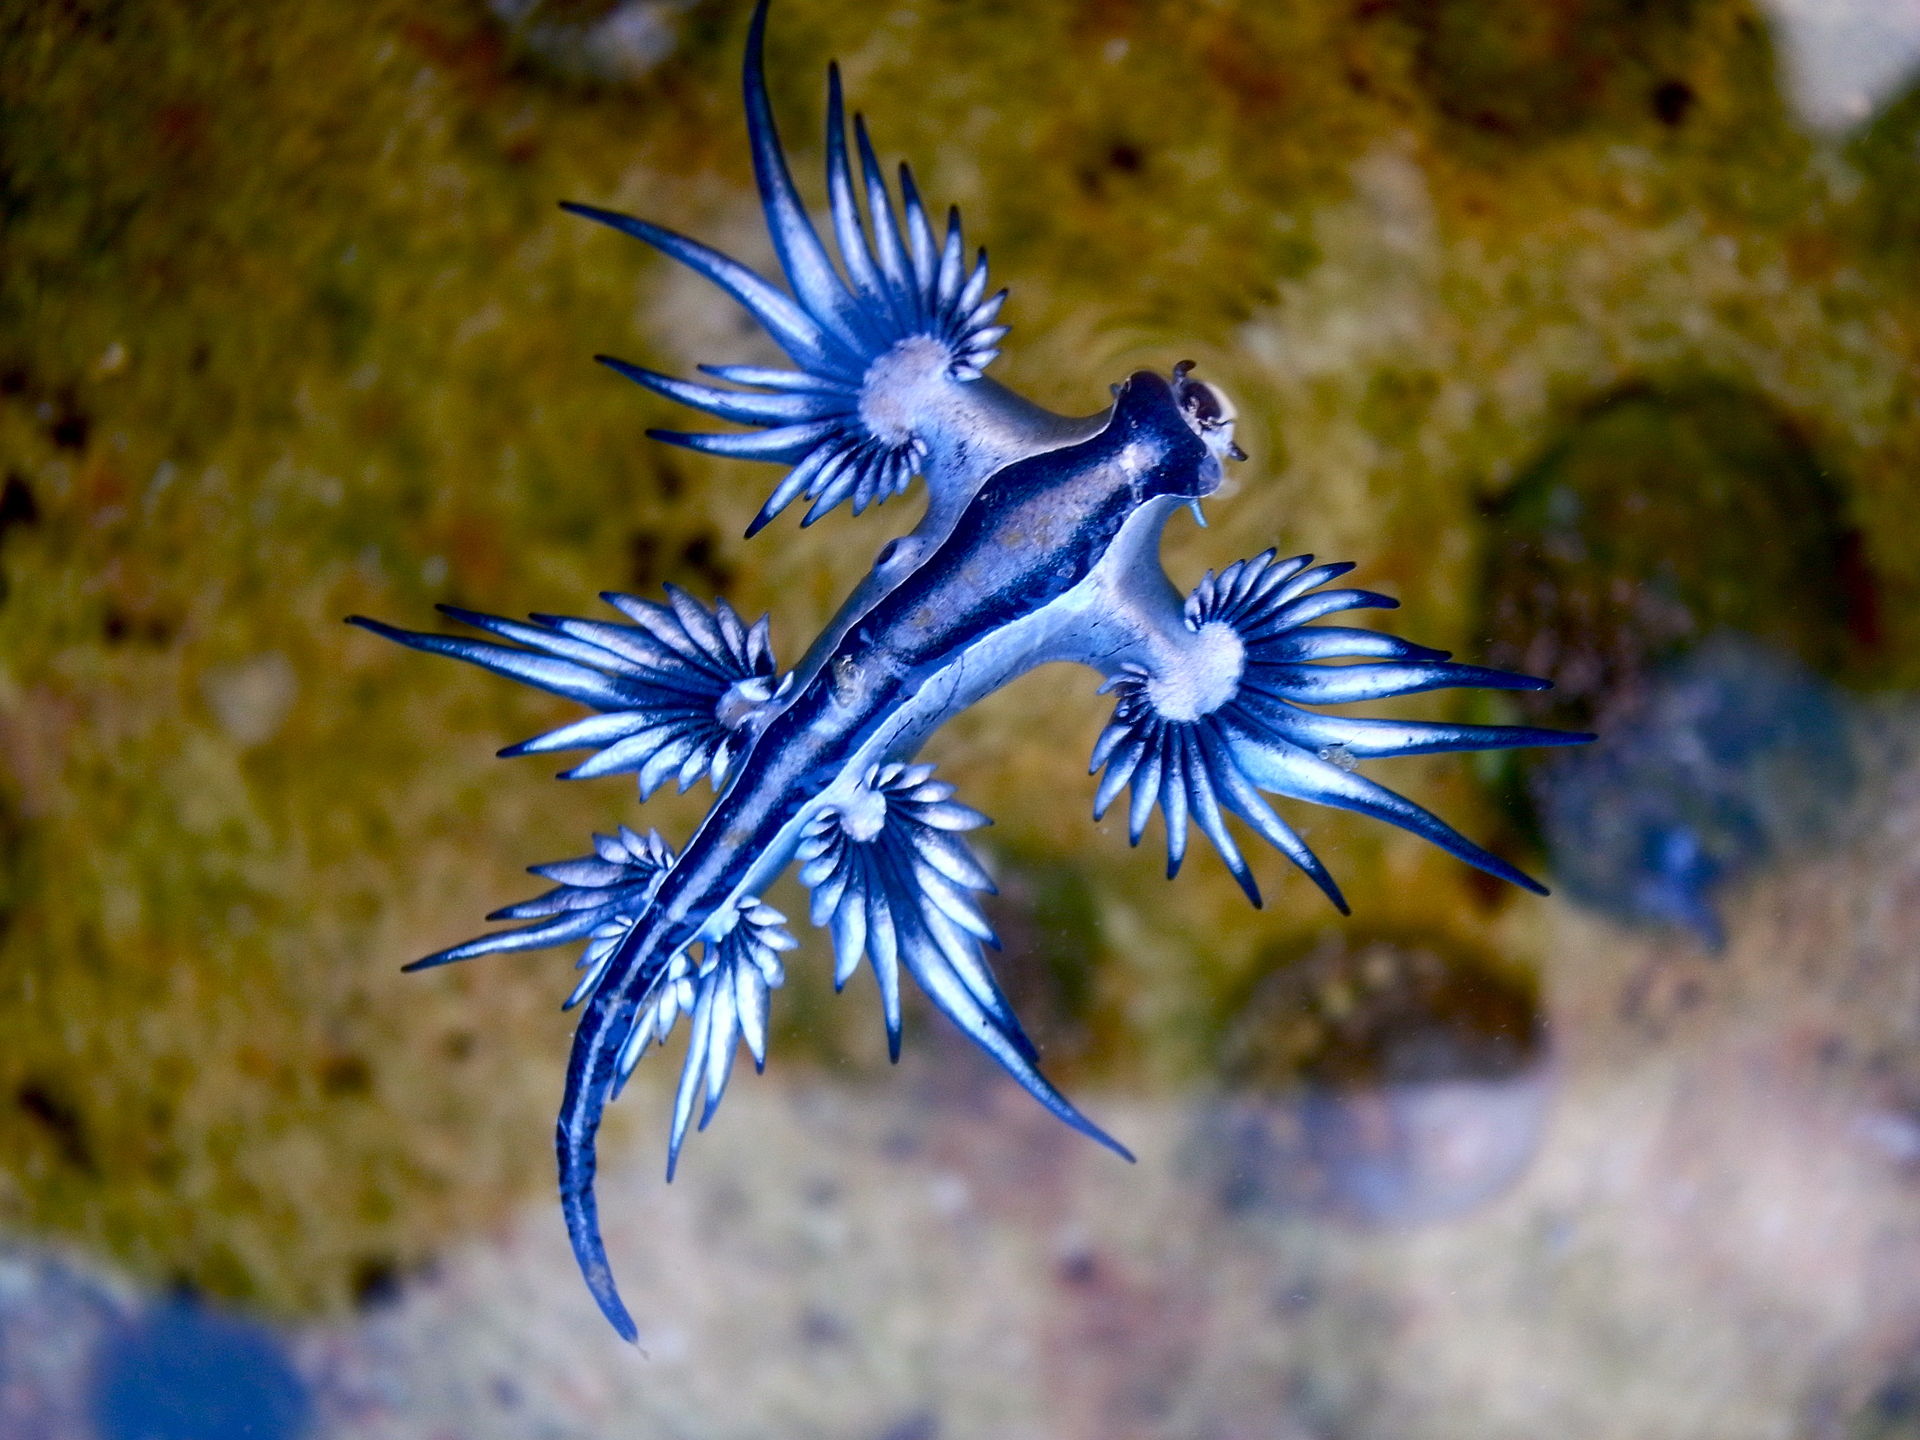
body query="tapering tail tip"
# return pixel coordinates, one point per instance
(583, 1229)
(1112, 1144)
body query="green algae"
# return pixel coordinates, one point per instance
(1666, 516)
(1334, 1066)
(1354, 1009)
(1527, 72)
(1886, 154)
(290, 328)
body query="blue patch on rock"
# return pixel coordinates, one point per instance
(1729, 758)
(183, 1372)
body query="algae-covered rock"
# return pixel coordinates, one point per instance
(1682, 565)
(1529, 70)
(1718, 762)
(1886, 151)
(1383, 1079)
(594, 43)
(1661, 518)
(290, 328)
(1051, 950)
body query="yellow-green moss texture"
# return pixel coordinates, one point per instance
(290, 327)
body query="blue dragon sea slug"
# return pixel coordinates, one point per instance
(1039, 542)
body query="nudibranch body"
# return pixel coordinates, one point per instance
(1040, 542)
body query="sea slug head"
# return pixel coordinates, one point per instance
(1176, 434)
(1208, 412)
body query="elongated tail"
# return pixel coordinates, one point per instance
(648, 979)
(632, 975)
(592, 1070)
(631, 970)
(638, 977)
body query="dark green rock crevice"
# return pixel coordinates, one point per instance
(1052, 952)
(1683, 565)
(1360, 1009)
(1886, 152)
(1662, 516)
(1386, 1079)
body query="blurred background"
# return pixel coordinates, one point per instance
(1589, 328)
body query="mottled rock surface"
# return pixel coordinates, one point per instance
(290, 328)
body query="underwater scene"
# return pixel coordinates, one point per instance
(1587, 331)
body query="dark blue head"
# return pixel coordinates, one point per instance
(1174, 434)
